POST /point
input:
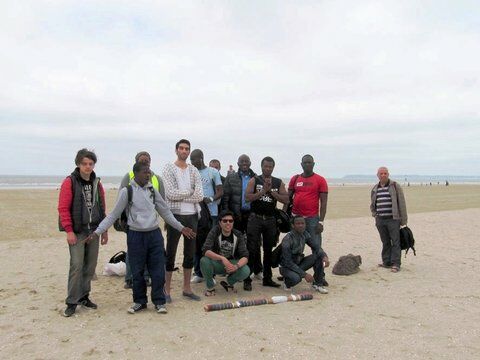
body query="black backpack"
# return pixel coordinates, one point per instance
(276, 257)
(121, 224)
(407, 241)
(118, 257)
(284, 224)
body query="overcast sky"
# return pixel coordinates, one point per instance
(357, 84)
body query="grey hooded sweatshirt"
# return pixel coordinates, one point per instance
(143, 214)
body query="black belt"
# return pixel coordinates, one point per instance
(264, 217)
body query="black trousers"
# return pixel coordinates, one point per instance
(258, 229)
(241, 221)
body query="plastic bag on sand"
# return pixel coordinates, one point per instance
(118, 269)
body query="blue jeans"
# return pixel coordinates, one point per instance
(311, 226)
(147, 248)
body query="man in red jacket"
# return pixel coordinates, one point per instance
(81, 207)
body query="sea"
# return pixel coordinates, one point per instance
(113, 182)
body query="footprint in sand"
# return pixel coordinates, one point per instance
(91, 352)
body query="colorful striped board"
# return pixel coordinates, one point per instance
(254, 302)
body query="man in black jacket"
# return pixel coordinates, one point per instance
(234, 190)
(294, 263)
(225, 252)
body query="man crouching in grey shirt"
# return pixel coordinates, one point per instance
(145, 244)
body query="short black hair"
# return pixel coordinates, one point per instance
(142, 153)
(226, 213)
(182, 141)
(269, 159)
(295, 217)
(307, 155)
(139, 166)
(85, 153)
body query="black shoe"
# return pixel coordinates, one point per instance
(270, 283)
(89, 304)
(247, 286)
(324, 282)
(70, 310)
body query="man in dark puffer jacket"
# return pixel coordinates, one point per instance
(234, 193)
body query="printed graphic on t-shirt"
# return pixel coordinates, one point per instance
(226, 246)
(266, 197)
(87, 190)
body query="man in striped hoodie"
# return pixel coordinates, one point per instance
(389, 209)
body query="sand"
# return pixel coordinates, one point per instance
(428, 310)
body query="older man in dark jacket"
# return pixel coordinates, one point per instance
(234, 190)
(389, 209)
(225, 252)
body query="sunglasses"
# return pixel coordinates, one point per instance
(227, 221)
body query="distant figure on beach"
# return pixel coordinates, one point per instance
(212, 193)
(263, 192)
(157, 183)
(184, 192)
(81, 207)
(230, 170)
(145, 244)
(390, 211)
(294, 263)
(308, 194)
(225, 253)
(234, 191)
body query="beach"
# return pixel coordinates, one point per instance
(429, 310)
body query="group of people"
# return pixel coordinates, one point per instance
(225, 224)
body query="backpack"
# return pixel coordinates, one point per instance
(118, 257)
(121, 224)
(276, 256)
(284, 224)
(290, 199)
(407, 241)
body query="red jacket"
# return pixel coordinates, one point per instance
(65, 203)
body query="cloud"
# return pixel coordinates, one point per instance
(353, 83)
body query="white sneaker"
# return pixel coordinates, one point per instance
(258, 276)
(196, 279)
(320, 289)
(161, 309)
(284, 287)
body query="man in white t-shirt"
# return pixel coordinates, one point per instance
(183, 192)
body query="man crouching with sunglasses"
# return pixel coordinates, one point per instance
(225, 252)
